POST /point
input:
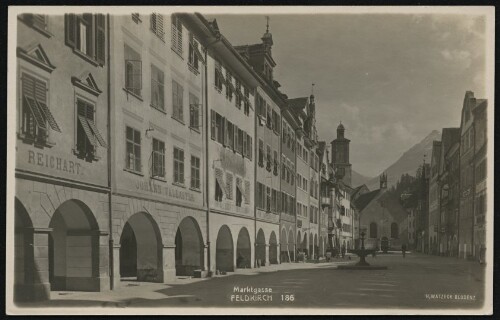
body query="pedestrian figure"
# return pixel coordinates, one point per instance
(403, 249)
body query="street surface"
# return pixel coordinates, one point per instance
(417, 281)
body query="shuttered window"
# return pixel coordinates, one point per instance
(176, 34)
(158, 159)
(157, 88)
(133, 149)
(86, 34)
(195, 173)
(178, 165)
(133, 71)
(177, 101)
(157, 26)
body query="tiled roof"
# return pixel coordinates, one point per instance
(297, 103)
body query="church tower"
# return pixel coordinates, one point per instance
(340, 155)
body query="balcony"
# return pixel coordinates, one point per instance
(326, 201)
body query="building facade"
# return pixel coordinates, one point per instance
(434, 212)
(62, 188)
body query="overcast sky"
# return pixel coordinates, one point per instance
(390, 79)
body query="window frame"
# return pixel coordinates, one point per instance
(178, 163)
(195, 179)
(137, 158)
(160, 153)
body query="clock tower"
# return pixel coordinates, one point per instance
(340, 155)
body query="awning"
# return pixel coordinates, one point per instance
(97, 134)
(48, 115)
(40, 122)
(220, 180)
(88, 131)
(239, 185)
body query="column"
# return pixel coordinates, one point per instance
(116, 265)
(168, 263)
(36, 266)
(267, 255)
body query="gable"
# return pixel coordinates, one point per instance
(86, 82)
(37, 56)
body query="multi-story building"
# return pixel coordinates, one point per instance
(434, 212)
(269, 199)
(289, 205)
(301, 108)
(480, 178)
(467, 181)
(447, 217)
(62, 129)
(326, 195)
(158, 204)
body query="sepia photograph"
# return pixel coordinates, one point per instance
(250, 160)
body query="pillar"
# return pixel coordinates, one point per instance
(102, 269)
(116, 265)
(267, 255)
(36, 286)
(168, 263)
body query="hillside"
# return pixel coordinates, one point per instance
(408, 162)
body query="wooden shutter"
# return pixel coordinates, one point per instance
(225, 140)
(249, 144)
(70, 29)
(244, 146)
(213, 127)
(235, 135)
(100, 39)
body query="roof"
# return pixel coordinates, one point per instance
(449, 137)
(365, 199)
(298, 103)
(357, 189)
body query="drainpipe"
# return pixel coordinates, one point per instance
(256, 145)
(207, 185)
(111, 242)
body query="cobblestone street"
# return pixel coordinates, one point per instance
(417, 281)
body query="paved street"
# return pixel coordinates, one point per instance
(404, 285)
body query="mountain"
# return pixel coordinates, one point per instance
(408, 162)
(358, 179)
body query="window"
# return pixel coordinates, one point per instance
(276, 122)
(229, 85)
(217, 127)
(36, 21)
(195, 173)
(261, 153)
(292, 144)
(249, 147)
(133, 71)
(86, 34)
(240, 141)
(177, 101)
(219, 77)
(218, 185)
(194, 52)
(373, 230)
(158, 164)
(194, 112)
(230, 134)
(276, 163)
(304, 184)
(246, 107)
(133, 155)
(239, 192)
(261, 106)
(136, 17)
(268, 199)
(283, 168)
(269, 119)
(85, 139)
(178, 165)
(157, 88)
(229, 185)
(269, 158)
(35, 115)
(239, 95)
(274, 197)
(176, 35)
(247, 192)
(157, 26)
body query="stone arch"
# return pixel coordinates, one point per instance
(291, 245)
(74, 248)
(273, 248)
(141, 249)
(224, 250)
(189, 247)
(260, 248)
(243, 249)
(23, 250)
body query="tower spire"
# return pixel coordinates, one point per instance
(267, 25)
(312, 89)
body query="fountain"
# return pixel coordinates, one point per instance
(362, 253)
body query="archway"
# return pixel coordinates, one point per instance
(284, 246)
(273, 249)
(224, 257)
(141, 256)
(316, 247)
(23, 251)
(321, 246)
(311, 247)
(260, 249)
(189, 255)
(299, 242)
(304, 244)
(291, 246)
(243, 249)
(74, 248)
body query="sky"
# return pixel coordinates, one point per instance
(390, 78)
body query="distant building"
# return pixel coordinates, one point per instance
(434, 212)
(383, 217)
(340, 155)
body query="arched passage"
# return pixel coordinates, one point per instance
(283, 246)
(316, 247)
(321, 252)
(23, 250)
(224, 258)
(311, 247)
(260, 248)
(74, 248)
(243, 249)
(273, 249)
(189, 255)
(141, 247)
(291, 245)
